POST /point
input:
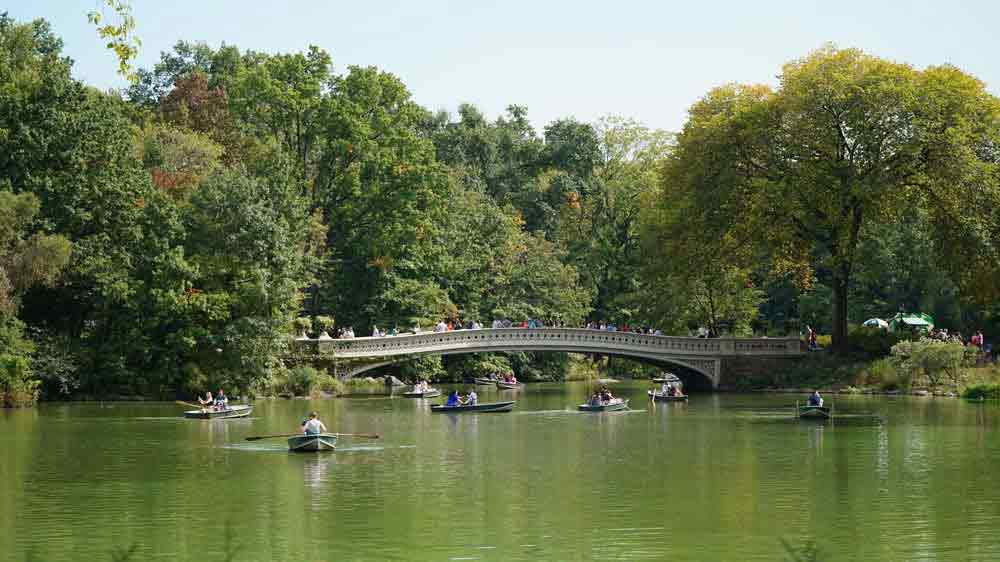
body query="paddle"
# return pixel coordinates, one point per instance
(363, 435)
(190, 405)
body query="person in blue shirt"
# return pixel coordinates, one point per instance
(453, 399)
(815, 399)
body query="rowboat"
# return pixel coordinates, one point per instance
(507, 385)
(228, 413)
(657, 397)
(484, 381)
(429, 393)
(612, 406)
(312, 443)
(667, 377)
(488, 407)
(814, 412)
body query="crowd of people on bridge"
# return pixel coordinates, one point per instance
(450, 325)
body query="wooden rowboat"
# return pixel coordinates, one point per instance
(814, 412)
(312, 443)
(612, 406)
(657, 397)
(228, 413)
(430, 393)
(507, 385)
(488, 407)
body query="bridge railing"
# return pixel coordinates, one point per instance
(567, 339)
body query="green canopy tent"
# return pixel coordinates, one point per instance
(911, 321)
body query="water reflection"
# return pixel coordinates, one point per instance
(715, 479)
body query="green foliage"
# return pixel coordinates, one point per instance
(426, 367)
(801, 175)
(933, 361)
(302, 380)
(17, 386)
(120, 34)
(872, 342)
(990, 391)
(183, 234)
(322, 324)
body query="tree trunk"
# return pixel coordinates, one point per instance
(839, 332)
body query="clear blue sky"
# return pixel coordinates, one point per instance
(647, 60)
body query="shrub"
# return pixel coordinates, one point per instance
(329, 384)
(322, 324)
(302, 325)
(938, 362)
(54, 363)
(880, 372)
(982, 391)
(302, 380)
(18, 387)
(871, 341)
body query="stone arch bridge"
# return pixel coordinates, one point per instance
(708, 357)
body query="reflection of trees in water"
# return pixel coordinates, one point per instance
(816, 439)
(131, 552)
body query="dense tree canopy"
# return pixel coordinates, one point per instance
(801, 175)
(182, 229)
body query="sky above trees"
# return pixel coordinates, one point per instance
(647, 60)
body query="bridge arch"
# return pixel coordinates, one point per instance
(708, 377)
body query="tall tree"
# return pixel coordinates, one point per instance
(848, 139)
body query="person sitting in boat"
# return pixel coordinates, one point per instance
(221, 402)
(313, 426)
(815, 399)
(606, 395)
(595, 399)
(453, 399)
(665, 389)
(472, 399)
(208, 401)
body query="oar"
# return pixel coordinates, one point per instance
(364, 435)
(190, 405)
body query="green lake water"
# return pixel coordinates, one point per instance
(724, 477)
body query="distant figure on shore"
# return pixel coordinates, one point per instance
(313, 426)
(815, 399)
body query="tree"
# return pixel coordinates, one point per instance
(120, 34)
(25, 260)
(848, 140)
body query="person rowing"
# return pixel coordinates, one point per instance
(313, 426)
(453, 399)
(208, 402)
(815, 399)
